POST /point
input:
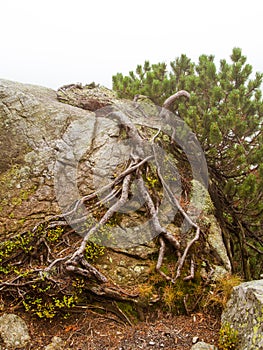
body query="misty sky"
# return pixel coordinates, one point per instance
(56, 42)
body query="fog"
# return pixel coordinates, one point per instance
(52, 43)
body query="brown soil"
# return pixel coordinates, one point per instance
(87, 330)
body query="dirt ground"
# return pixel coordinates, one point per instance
(87, 330)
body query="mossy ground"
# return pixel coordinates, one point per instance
(23, 259)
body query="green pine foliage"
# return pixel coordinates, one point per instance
(225, 110)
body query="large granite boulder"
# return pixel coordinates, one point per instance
(244, 314)
(40, 130)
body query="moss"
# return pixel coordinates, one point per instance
(181, 296)
(146, 292)
(14, 208)
(15, 189)
(9, 178)
(23, 195)
(129, 310)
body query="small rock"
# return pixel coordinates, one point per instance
(152, 343)
(14, 331)
(57, 344)
(203, 346)
(195, 340)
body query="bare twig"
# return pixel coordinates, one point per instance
(160, 260)
(55, 262)
(254, 248)
(126, 318)
(192, 270)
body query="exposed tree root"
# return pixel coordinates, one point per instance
(74, 262)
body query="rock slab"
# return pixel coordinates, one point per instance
(244, 313)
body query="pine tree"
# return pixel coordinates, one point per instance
(225, 110)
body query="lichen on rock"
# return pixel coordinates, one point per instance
(244, 313)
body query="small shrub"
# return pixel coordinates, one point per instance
(49, 307)
(53, 235)
(10, 247)
(221, 291)
(172, 297)
(93, 251)
(228, 338)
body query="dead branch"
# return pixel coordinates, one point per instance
(192, 270)
(160, 260)
(19, 285)
(170, 100)
(254, 248)
(89, 273)
(123, 315)
(132, 131)
(55, 262)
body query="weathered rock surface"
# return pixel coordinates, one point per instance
(33, 121)
(244, 313)
(13, 331)
(128, 266)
